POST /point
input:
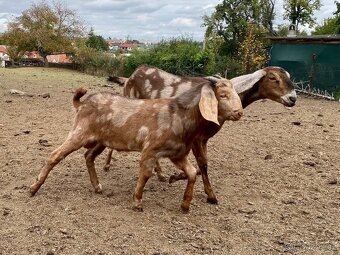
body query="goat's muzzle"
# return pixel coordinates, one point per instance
(237, 114)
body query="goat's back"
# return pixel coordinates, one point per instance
(149, 82)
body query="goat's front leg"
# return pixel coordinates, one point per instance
(199, 150)
(190, 171)
(90, 156)
(147, 164)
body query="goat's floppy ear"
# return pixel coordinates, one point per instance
(208, 104)
(245, 82)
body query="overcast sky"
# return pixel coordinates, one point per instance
(150, 20)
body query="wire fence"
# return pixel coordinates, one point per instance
(303, 87)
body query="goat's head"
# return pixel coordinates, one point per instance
(277, 86)
(220, 102)
(273, 83)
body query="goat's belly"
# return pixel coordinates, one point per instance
(122, 146)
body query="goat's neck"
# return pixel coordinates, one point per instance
(250, 95)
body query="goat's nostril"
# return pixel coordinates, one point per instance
(293, 99)
(239, 112)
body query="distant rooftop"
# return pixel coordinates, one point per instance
(308, 39)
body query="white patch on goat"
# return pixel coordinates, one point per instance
(176, 125)
(164, 120)
(169, 78)
(131, 94)
(150, 71)
(167, 91)
(154, 94)
(182, 87)
(109, 117)
(147, 86)
(96, 98)
(142, 134)
(146, 145)
(287, 97)
(123, 108)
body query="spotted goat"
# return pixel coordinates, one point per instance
(158, 128)
(149, 82)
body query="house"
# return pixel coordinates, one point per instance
(127, 46)
(59, 58)
(114, 43)
(3, 55)
(311, 59)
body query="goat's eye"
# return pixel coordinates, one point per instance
(223, 96)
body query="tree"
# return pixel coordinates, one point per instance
(252, 53)
(228, 27)
(301, 11)
(45, 28)
(329, 26)
(230, 21)
(96, 42)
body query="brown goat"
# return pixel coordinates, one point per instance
(149, 82)
(158, 128)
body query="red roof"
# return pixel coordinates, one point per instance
(3, 49)
(58, 58)
(128, 45)
(115, 40)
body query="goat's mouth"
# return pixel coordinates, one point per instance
(235, 117)
(289, 99)
(287, 102)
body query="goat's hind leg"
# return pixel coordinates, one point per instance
(90, 156)
(160, 175)
(145, 172)
(108, 160)
(191, 172)
(70, 145)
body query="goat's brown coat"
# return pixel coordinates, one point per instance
(158, 128)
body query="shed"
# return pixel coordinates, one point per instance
(311, 59)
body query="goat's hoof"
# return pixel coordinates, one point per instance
(99, 189)
(212, 200)
(106, 168)
(33, 191)
(185, 209)
(162, 178)
(173, 178)
(137, 208)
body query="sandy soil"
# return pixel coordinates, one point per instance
(275, 173)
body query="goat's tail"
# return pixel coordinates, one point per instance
(77, 95)
(116, 79)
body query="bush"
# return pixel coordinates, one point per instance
(94, 62)
(181, 56)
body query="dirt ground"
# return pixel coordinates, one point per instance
(275, 173)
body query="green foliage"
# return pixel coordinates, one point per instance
(329, 26)
(336, 94)
(94, 62)
(230, 22)
(181, 56)
(301, 12)
(96, 42)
